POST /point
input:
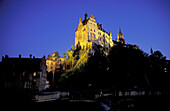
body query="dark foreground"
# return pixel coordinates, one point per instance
(110, 103)
(117, 104)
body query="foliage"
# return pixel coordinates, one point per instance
(49, 55)
(77, 57)
(124, 67)
(64, 54)
(127, 66)
(57, 54)
(158, 65)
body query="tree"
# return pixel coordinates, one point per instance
(49, 55)
(65, 62)
(57, 54)
(72, 48)
(64, 54)
(126, 67)
(158, 64)
(70, 57)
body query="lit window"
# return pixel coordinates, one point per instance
(34, 74)
(90, 34)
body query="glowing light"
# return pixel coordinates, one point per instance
(34, 74)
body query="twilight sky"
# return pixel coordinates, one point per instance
(40, 27)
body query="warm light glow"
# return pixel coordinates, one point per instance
(34, 74)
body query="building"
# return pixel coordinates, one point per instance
(90, 33)
(120, 38)
(23, 73)
(55, 63)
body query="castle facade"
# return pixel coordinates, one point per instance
(89, 33)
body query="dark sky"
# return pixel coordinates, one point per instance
(40, 27)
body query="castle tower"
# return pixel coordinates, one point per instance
(89, 32)
(120, 37)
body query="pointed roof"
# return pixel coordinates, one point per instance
(120, 32)
(80, 22)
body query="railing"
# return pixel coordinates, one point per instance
(47, 97)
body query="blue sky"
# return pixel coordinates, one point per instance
(40, 27)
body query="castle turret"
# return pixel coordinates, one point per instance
(120, 37)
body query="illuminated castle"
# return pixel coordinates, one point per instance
(90, 33)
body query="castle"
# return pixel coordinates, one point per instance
(90, 33)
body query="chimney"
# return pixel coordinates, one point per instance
(86, 16)
(3, 58)
(19, 55)
(6, 56)
(30, 56)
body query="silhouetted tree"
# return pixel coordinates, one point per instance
(126, 67)
(158, 75)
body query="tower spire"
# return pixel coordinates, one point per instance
(120, 37)
(120, 32)
(80, 23)
(151, 51)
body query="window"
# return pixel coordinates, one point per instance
(90, 34)
(34, 74)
